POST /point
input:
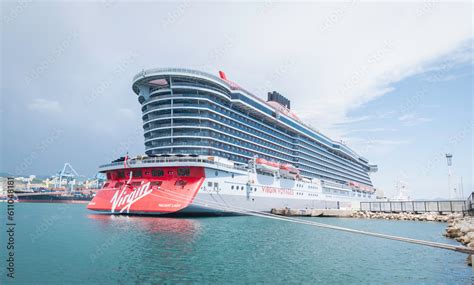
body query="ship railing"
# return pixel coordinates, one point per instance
(439, 206)
(470, 205)
(158, 160)
(335, 184)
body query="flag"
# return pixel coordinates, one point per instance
(125, 161)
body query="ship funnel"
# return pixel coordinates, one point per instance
(222, 75)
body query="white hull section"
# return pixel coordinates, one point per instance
(230, 191)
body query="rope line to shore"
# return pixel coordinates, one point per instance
(221, 206)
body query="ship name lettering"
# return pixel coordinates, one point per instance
(281, 191)
(123, 201)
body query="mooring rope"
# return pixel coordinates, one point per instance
(221, 206)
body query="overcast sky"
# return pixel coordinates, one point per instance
(393, 81)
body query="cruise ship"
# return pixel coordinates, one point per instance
(213, 147)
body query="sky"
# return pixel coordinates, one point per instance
(394, 81)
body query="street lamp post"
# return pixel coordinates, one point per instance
(449, 160)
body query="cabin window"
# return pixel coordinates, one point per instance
(209, 184)
(156, 183)
(121, 174)
(183, 172)
(180, 183)
(106, 184)
(136, 184)
(157, 172)
(118, 184)
(109, 175)
(137, 173)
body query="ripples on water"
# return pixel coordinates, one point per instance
(78, 246)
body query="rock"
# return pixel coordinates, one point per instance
(430, 218)
(441, 218)
(467, 238)
(453, 232)
(464, 239)
(470, 235)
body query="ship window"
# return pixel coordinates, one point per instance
(106, 184)
(136, 184)
(118, 184)
(232, 187)
(180, 183)
(209, 184)
(109, 175)
(217, 173)
(120, 174)
(137, 173)
(183, 171)
(156, 183)
(157, 172)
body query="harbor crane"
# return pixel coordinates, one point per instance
(66, 176)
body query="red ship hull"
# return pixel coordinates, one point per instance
(162, 190)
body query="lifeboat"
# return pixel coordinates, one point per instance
(361, 187)
(354, 184)
(368, 189)
(288, 170)
(266, 166)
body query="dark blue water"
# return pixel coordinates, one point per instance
(68, 244)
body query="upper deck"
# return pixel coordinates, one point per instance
(148, 81)
(169, 161)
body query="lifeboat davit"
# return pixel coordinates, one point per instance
(288, 170)
(266, 166)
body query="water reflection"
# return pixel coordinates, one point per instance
(178, 227)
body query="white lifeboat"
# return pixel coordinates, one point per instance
(361, 187)
(288, 170)
(266, 166)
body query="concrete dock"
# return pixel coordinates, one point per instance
(312, 212)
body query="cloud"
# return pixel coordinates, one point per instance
(351, 120)
(331, 60)
(375, 146)
(413, 120)
(126, 113)
(44, 105)
(358, 67)
(370, 130)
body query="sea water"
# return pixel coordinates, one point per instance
(66, 243)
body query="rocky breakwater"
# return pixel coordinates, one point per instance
(429, 216)
(462, 230)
